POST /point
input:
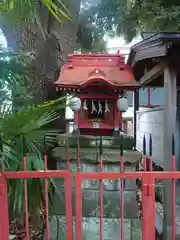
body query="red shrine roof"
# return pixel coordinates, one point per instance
(83, 69)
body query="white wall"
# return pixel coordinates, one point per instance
(150, 121)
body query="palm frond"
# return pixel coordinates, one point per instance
(14, 76)
(25, 132)
(23, 9)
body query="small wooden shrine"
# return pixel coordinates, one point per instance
(98, 83)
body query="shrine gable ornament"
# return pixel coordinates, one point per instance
(98, 85)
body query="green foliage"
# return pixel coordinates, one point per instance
(24, 132)
(89, 35)
(14, 12)
(129, 18)
(14, 77)
(115, 17)
(23, 9)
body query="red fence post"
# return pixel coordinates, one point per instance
(148, 208)
(78, 180)
(4, 219)
(68, 197)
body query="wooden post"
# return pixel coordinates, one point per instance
(177, 142)
(169, 129)
(136, 108)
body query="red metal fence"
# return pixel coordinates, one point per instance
(148, 196)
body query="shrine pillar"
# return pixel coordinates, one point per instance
(170, 92)
(136, 108)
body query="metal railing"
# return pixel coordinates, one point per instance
(148, 179)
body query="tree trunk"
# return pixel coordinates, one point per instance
(50, 52)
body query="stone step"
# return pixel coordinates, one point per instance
(90, 155)
(90, 203)
(90, 228)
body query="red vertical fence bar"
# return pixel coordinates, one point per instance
(122, 191)
(173, 188)
(4, 219)
(148, 207)
(68, 197)
(101, 192)
(26, 201)
(47, 231)
(78, 179)
(144, 168)
(148, 199)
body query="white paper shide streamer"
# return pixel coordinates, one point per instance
(100, 108)
(93, 108)
(85, 105)
(106, 107)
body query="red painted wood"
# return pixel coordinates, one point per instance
(148, 208)
(101, 201)
(173, 199)
(89, 175)
(78, 180)
(96, 132)
(4, 220)
(148, 196)
(26, 201)
(82, 70)
(47, 231)
(122, 199)
(68, 199)
(98, 96)
(88, 124)
(97, 77)
(150, 163)
(107, 124)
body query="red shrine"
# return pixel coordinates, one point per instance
(98, 83)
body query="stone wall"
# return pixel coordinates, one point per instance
(90, 189)
(90, 229)
(89, 157)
